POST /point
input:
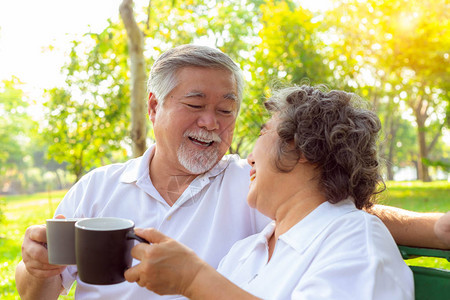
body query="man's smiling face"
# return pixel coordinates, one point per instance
(194, 126)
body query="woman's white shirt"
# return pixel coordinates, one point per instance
(336, 252)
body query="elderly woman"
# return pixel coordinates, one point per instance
(314, 168)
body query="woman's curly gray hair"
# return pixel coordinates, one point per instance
(333, 132)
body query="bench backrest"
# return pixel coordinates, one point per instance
(429, 283)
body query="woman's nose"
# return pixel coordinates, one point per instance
(250, 159)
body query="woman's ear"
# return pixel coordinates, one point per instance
(152, 106)
(302, 159)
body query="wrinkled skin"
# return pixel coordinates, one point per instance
(166, 266)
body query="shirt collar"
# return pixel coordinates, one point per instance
(260, 240)
(139, 167)
(221, 165)
(301, 235)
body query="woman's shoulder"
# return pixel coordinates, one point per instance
(339, 228)
(359, 233)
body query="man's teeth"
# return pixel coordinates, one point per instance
(201, 141)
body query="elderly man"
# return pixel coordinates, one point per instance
(183, 185)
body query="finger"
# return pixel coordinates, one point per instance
(140, 251)
(45, 273)
(35, 258)
(132, 274)
(152, 235)
(60, 217)
(37, 233)
(42, 265)
(35, 251)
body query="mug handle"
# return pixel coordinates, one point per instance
(132, 236)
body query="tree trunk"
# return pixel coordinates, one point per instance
(420, 112)
(416, 165)
(79, 166)
(58, 179)
(393, 128)
(138, 78)
(423, 154)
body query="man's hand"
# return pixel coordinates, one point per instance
(167, 267)
(442, 229)
(35, 277)
(35, 254)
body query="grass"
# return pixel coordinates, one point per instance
(20, 212)
(418, 196)
(23, 211)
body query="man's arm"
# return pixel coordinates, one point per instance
(35, 277)
(31, 287)
(442, 229)
(410, 228)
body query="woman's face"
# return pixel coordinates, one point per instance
(265, 179)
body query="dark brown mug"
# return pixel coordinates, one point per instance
(102, 248)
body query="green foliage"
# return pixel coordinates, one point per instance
(287, 52)
(13, 127)
(87, 121)
(22, 167)
(396, 52)
(232, 26)
(17, 138)
(289, 47)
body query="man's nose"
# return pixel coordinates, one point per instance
(208, 120)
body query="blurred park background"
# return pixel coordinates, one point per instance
(72, 86)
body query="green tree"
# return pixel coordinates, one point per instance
(287, 51)
(13, 115)
(16, 128)
(88, 119)
(399, 46)
(231, 26)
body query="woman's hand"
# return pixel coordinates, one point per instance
(167, 267)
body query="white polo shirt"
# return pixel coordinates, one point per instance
(336, 252)
(209, 217)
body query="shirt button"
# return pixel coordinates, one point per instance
(168, 218)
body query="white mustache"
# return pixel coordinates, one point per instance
(203, 135)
